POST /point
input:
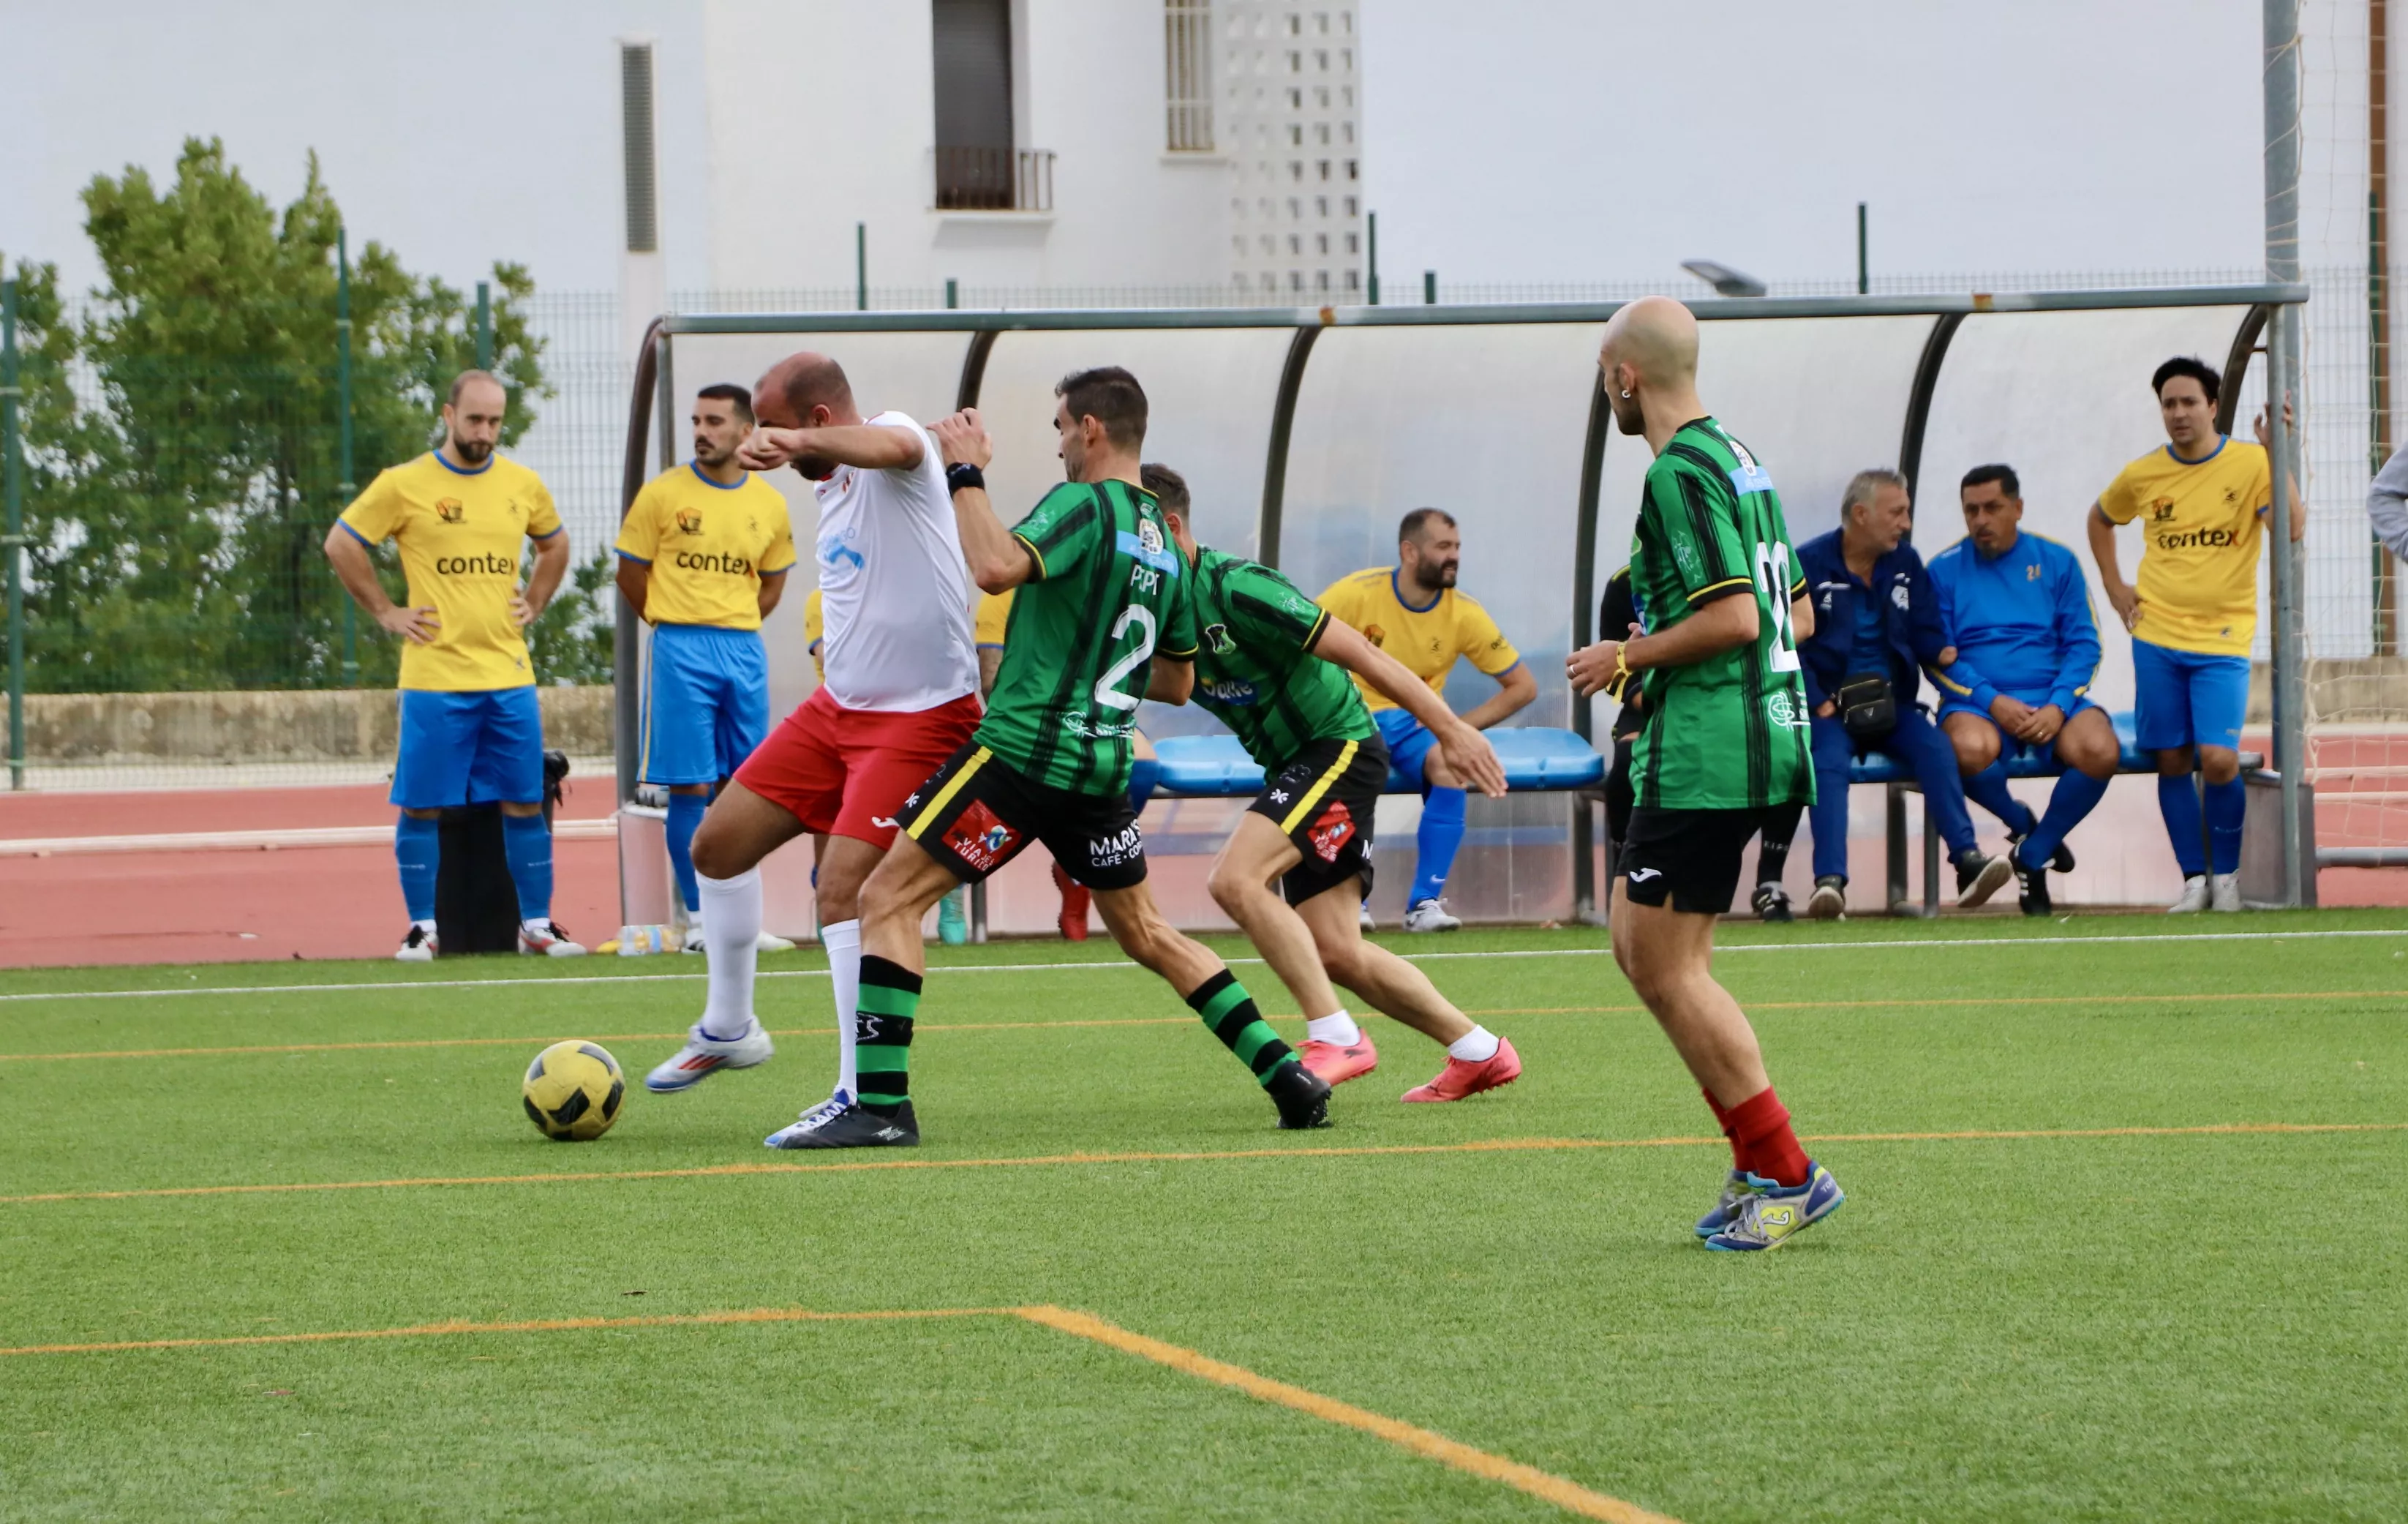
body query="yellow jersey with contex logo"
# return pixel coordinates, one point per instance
(1426, 638)
(2200, 521)
(709, 547)
(460, 534)
(992, 617)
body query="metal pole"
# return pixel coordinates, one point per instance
(484, 326)
(1864, 264)
(2282, 132)
(953, 293)
(1430, 288)
(347, 487)
(1372, 222)
(861, 266)
(2378, 298)
(12, 545)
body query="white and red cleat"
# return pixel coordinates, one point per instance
(419, 946)
(704, 1056)
(1335, 1064)
(1460, 1079)
(545, 940)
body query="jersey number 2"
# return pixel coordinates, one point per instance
(1773, 580)
(1108, 686)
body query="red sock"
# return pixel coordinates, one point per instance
(1761, 1138)
(1722, 1124)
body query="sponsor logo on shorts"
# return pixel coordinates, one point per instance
(1642, 875)
(979, 839)
(1124, 846)
(1333, 830)
(886, 825)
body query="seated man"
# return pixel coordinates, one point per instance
(1875, 622)
(2027, 648)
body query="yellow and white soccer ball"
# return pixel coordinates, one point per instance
(573, 1090)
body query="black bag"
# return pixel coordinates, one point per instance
(1867, 707)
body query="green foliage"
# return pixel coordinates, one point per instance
(572, 642)
(177, 524)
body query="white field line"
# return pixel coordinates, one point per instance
(275, 841)
(536, 982)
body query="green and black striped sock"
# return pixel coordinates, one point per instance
(1229, 1011)
(882, 1034)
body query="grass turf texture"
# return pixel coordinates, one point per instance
(2202, 1325)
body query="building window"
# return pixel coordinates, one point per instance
(1295, 100)
(1321, 206)
(1295, 244)
(1294, 170)
(977, 165)
(1294, 207)
(1321, 279)
(1325, 169)
(1296, 26)
(1353, 243)
(1321, 243)
(1296, 63)
(1354, 279)
(1351, 171)
(1295, 136)
(1347, 132)
(1187, 74)
(1296, 280)
(1350, 205)
(1320, 132)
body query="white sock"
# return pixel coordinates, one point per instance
(1476, 1046)
(1339, 1031)
(843, 944)
(731, 929)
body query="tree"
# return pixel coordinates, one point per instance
(176, 523)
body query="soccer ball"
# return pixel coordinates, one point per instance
(573, 1090)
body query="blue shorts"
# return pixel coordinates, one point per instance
(1409, 743)
(2008, 747)
(2187, 698)
(706, 703)
(469, 748)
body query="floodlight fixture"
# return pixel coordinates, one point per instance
(1725, 280)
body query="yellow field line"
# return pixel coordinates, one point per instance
(1181, 1021)
(1545, 1485)
(1570, 1496)
(1484, 1146)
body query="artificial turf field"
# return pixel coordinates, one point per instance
(2124, 1240)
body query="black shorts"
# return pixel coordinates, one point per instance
(1690, 856)
(978, 812)
(1322, 799)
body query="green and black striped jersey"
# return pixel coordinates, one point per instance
(1729, 732)
(1110, 592)
(1257, 669)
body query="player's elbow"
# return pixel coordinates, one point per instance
(1519, 687)
(995, 577)
(1171, 682)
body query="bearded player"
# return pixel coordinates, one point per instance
(1104, 618)
(900, 694)
(1722, 745)
(1273, 665)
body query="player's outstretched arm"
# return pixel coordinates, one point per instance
(1462, 744)
(357, 573)
(998, 562)
(868, 447)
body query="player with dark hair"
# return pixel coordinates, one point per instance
(703, 556)
(1723, 741)
(1273, 665)
(1105, 618)
(1413, 612)
(899, 693)
(2206, 498)
(471, 729)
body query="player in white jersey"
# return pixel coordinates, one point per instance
(899, 697)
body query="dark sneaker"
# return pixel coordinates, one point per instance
(2060, 861)
(1771, 902)
(1301, 1096)
(2031, 886)
(1830, 901)
(1979, 877)
(854, 1126)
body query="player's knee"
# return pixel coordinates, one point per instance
(1977, 747)
(1232, 888)
(1436, 774)
(1342, 964)
(717, 853)
(2217, 765)
(2175, 762)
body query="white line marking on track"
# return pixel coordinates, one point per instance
(539, 982)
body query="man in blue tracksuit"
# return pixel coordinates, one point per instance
(2019, 611)
(1877, 617)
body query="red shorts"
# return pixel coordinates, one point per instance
(847, 771)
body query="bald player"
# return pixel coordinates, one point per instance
(1722, 745)
(899, 696)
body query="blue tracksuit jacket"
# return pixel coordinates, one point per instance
(1911, 615)
(2021, 623)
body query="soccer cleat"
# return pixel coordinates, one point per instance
(953, 927)
(2194, 896)
(1365, 920)
(691, 940)
(1075, 899)
(419, 946)
(1979, 877)
(851, 1126)
(1301, 1096)
(2224, 892)
(1430, 916)
(1735, 1190)
(812, 1116)
(1460, 1079)
(546, 939)
(2060, 861)
(1830, 900)
(1336, 1064)
(2031, 886)
(766, 942)
(1770, 1215)
(703, 1057)
(1770, 903)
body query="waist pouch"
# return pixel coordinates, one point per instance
(1867, 707)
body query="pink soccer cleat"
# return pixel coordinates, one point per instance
(1335, 1065)
(1460, 1079)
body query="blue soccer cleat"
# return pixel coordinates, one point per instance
(1771, 1215)
(1735, 1190)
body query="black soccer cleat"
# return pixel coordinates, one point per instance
(854, 1125)
(1980, 876)
(2060, 861)
(1301, 1096)
(2031, 887)
(1771, 902)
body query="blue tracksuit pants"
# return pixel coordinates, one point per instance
(1923, 747)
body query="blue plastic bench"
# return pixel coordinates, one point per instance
(1535, 758)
